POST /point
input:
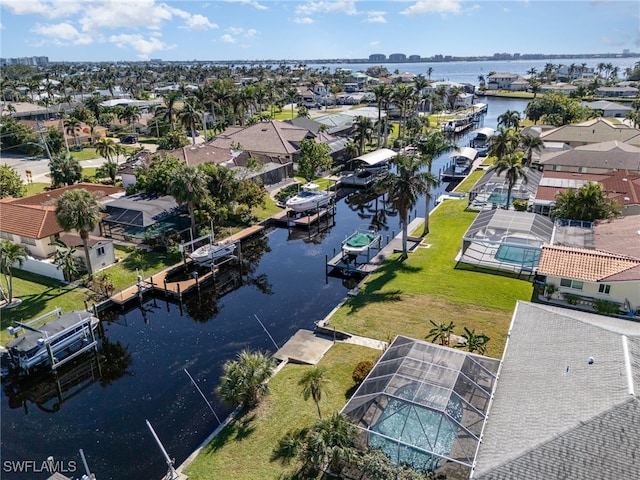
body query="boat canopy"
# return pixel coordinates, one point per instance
(465, 152)
(379, 156)
(485, 132)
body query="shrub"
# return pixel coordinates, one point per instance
(520, 205)
(571, 299)
(605, 307)
(361, 371)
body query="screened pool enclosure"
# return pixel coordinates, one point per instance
(425, 405)
(506, 240)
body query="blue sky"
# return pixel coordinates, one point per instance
(116, 30)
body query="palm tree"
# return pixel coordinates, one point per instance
(244, 380)
(65, 170)
(64, 259)
(188, 116)
(431, 147)
(106, 147)
(509, 119)
(404, 188)
(511, 166)
(441, 332)
(72, 127)
(79, 210)
(168, 111)
(313, 384)
(363, 130)
(529, 144)
(382, 94)
(503, 143)
(403, 97)
(10, 253)
(189, 186)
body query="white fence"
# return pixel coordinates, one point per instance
(41, 267)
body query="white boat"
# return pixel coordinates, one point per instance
(461, 163)
(60, 338)
(212, 251)
(360, 241)
(308, 200)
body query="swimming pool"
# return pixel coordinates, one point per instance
(418, 429)
(519, 255)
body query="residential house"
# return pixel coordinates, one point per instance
(566, 402)
(609, 109)
(31, 221)
(597, 130)
(621, 186)
(563, 88)
(101, 250)
(500, 81)
(620, 92)
(274, 138)
(593, 158)
(587, 275)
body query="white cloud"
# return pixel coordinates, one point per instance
(62, 34)
(252, 32)
(303, 20)
(143, 47)
(45, 8)
(239, 31)
(136, 14)
(252, 3)
(199, 22)
(226, 38)
(375, 17)
(375, 43)
(424, 7)
(235, 30)
(348, 7)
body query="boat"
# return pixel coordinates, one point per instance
(212, 251)
(481, 140)
(458, 125)
(461, 163)
(308, 200)
(360, 242)
(59, 339)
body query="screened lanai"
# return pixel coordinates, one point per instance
(425, 405)
(491, 190)
(506, 240)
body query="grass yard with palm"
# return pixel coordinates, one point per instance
(402, 297)
(242, 450)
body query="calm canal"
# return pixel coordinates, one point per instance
(101, 407)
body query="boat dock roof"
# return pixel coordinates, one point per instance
(29, 339)
(466, 152)
(377, 156)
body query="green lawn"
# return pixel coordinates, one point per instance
(39, 295)
(401, 297)
(243, 449)
(87, 153)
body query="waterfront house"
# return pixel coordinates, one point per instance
(566, 400)
(621, 186)
(563, 88)
(621, 92)
(583, 276)
(31, 221)
(602, 157)
(609, 109)
(500, 81)
(597, 130)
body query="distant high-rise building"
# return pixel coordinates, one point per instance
(33, 61)
(377, 57)
(397, 57)
(414, 58)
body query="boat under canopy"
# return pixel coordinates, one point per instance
(380, 156)
(467, 153)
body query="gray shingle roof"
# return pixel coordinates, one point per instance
(555, 415)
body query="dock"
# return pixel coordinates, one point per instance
(305, 347)
(343, 263)
(158, 283)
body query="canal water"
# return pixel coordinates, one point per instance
(101, 406)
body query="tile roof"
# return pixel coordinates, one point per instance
(274, 137)
(40, 210)
(556, 415)
(587, 265)
(202, 153)
(620, 235)
(623, 186)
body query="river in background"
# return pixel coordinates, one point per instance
(100, 406)
(468, 72)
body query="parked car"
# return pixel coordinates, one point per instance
(129, 139)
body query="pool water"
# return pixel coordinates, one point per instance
(518, 255)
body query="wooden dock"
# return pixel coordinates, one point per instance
(158, 282)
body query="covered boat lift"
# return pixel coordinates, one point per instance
(369, 165)
(461, 162)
